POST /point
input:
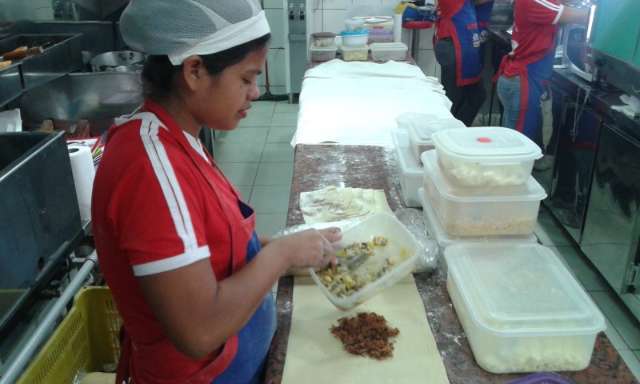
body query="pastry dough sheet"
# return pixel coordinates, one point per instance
(334, 204)
(314, 355)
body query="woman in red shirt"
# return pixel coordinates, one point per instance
(175, 241)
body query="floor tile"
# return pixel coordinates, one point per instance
(614, 337)
(245, 135)
(285, 119)
(274, 173)
(277, 152)
(631, 359)
(270, 199)
(626, 325)
(281, 134)
(257, 119)
(588, 276)
(245, 192)
(240, 173)
(285, 107)
(549, 231)
(263, 107)
(237, 153)
(267, 224)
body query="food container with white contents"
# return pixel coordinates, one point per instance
(355, 53)
(421, 126)
(389, 51)
(323, 53)
(401, 249)
(380, 36)
(481, 211)
(357, 38)
(437, 233)
(520, 308)
(486, 156)
(323, 39)
(410, 171)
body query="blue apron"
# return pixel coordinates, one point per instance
(255, 338)
(533, 84)
(483, 14)
(466, 41)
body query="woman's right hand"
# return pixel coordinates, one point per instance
(309, 249)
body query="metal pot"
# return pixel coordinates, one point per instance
(118, 61)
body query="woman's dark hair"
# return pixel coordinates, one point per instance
(158, 73)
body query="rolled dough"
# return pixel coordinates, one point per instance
(315, 356)
(335, 203)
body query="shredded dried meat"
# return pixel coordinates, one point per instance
(366, 334)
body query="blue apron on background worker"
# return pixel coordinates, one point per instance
(458, 51)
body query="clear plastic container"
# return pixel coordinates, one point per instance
(486, 156)
(355, 53)
(421, 126)
(520, 308)
(357, 38)
(323, 39)
(481, 211)
(323, 53)
(382, 36)
(410, 171)
(389, 51)
(400, 239)
(436, 232)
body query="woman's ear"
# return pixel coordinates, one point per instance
(193, 72)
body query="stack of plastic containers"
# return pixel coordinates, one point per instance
(413, 137)
(323, 46)
(478, 186)
(354, 45)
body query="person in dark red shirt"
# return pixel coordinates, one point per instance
(175, 240)
(525, 71)
(458, 51)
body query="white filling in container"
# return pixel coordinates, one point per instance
(486, 156)
(520, 307)
(481, 211)
(355, 53)
(410, 171)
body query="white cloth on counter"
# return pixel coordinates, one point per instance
(356, 103)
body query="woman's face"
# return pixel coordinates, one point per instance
(221, 101)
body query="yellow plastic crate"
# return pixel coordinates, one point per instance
(86, 341)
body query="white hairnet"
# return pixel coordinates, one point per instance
(182, 28)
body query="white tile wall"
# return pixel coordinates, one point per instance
(276, 22)
(333, 20)
(271, 4)
(426, 60)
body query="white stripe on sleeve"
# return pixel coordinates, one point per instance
(559, 15)
(548, 4)
(171, 263)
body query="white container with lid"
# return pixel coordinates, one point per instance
(410, 171)
(481, 211)
(323, 53)
(486, 156)
(520, 308)
(421, 126)
(355, 53)
(389, 51)
(401, 241)
(437, 232)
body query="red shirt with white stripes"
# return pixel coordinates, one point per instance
(152, 212)
(534, 31)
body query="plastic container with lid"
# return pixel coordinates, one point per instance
(436, 232)
(357, 38)
(481, 211)
(389, 51)
(410, 171)
(380, 36)
(520, 307)
(323, 53)
(486, 156)
(323, 39)
(400, 243)
(355, 53)
(421, 126)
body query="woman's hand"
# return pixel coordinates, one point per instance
(309, 249)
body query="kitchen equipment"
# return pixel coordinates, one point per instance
(322, 53)
(421, 126)
(400, 242)
(118, 61)
(486, 156)
(520, 307)
(444, 240)
(40, 210)
(354, 53)
(389, 51)
(298, 45)
(481, 211)
(21, 52)
(410, 171)
(323, 39)
(355, 39)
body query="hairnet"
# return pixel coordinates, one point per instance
(182, 28)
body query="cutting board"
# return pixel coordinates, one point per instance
(314, 355)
